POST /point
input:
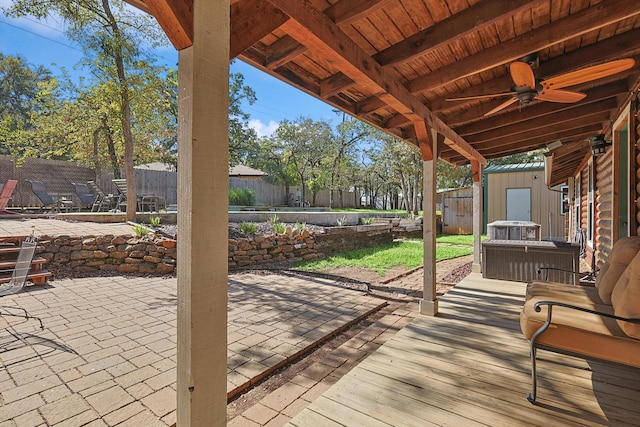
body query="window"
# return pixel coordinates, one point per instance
(564, 199)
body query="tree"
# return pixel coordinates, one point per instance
(304, 142)
(452, 176)
(242, 138)
(24, 91)
(350, 134)
(112, 37)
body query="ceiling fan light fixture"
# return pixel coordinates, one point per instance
(598, 144)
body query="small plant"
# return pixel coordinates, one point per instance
(367, 221)
(242, 197)
(300, 226)
(154, 221)
(342, 221)
(140, 230)
(273, 219)
(279, 227)
(248, 227)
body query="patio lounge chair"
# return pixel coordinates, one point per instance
(19, 278)
(40, 191)
(101, 200)
(144, 203)
(6, 194)
(87, 199)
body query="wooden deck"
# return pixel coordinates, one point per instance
(470, 366)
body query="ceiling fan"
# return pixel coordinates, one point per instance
(526, 87)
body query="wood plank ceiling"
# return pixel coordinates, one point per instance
(395, 64)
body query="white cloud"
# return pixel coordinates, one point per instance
(263, 129)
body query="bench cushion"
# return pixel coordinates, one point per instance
(626, 297)
(579, 332)
(621, 255)
(563, 292)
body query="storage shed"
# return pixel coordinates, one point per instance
(517, 192)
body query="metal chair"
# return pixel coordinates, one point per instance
(40, 191)
(84, 194)
(19, 279)
(101, 200)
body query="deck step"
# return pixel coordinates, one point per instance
(9, 249)
(37, 264)
(36, 277)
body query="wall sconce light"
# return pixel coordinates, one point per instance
(598, 144)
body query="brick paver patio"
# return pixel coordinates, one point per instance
(107, 355)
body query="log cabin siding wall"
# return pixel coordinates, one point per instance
(604, 205)
(634, 139)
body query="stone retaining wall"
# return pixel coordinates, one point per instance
(294, 246)
(123, 254)
(156, 255)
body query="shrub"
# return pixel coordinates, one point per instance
(248, 227)
(140, 230)
(273, 219)
(154, 221)
(279, 228)
(367, 221)
(242, 197)
(342, 221)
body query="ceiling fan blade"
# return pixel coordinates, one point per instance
(565, 96)
(588, 74)
(470, 98)
(501, 106)
(522, 74)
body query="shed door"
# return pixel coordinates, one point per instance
(518, 204)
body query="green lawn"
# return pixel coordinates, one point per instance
(457, 239)
(382, 258)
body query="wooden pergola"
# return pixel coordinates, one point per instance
(394, 64)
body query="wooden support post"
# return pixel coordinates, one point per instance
(203, 99)
(429, 302)
(476, 169)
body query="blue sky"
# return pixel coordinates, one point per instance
(44, 43)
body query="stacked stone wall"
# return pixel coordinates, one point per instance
(156, 255)
(150, 254)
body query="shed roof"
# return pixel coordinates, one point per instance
(519, 167)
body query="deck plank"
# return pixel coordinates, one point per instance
(470, 366)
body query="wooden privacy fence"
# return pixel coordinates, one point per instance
(58, 177)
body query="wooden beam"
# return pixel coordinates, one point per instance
(617, 47)
(282, 51)
(203, 179)
(449, 30)
(346, 12)
(370, 105)
(175, 18)
(335, 84)
(542, 109)
(574, 25)
(426, 140)
(246, 29)
(396, 121)
(537, 125)
(476, 172)
(548, 131)
(429, 301)
(313, 29)
(535, 142)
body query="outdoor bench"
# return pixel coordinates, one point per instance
(600, 322)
